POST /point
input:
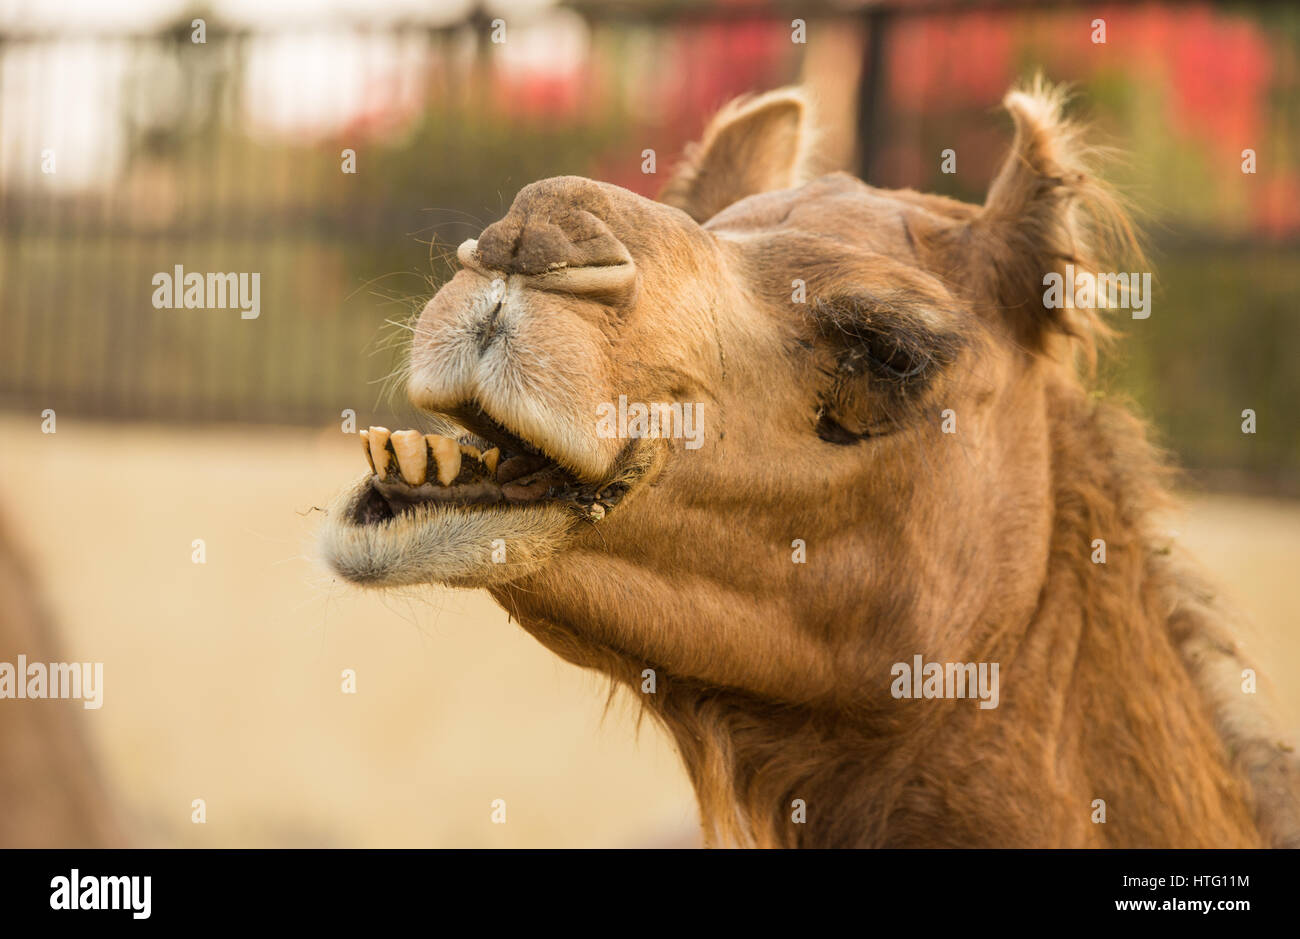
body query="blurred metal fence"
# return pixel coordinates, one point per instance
(124, 156)
(229, 156)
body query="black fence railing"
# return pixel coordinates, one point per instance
(231, 156)
(124, 157)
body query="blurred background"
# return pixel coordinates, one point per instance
(127, 148)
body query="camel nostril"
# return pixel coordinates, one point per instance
(611, 282)
(467, 254)
(557, 237)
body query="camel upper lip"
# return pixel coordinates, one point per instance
(489, 430)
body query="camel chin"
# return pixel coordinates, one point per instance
(439, 542)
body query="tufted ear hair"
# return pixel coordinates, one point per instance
(752, 145)
(1046, 209)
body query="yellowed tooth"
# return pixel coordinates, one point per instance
(379, 450)
(490, 459)
(412, 457)
(446, 453)
(467, 450)
(365, 448)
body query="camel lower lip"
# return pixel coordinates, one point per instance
(401, 496)
(392, 496)
(387, 499)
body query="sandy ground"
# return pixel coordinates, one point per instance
(223, 679)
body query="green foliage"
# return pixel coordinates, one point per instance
(1222, 337)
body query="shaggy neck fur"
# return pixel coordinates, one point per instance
(1121, 720)
(1122, 686)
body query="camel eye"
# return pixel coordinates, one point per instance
(895, 359)
(886, 357)
(880, 358)
(832, 431)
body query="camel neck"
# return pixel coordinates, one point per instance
(1100, 737)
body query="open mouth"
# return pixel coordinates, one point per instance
(409, 469)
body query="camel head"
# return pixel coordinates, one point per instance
(746, 448)
(756, 434)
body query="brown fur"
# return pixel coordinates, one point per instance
(51, 795)
(1118, 681)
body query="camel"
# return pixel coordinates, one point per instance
(898, 461)
(52, 794)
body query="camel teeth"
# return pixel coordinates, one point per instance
(490, 459)
(467, 450)
(412, 457)
(446, 454)
(379, 450)
(365, 448)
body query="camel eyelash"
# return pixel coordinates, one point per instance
(884, 340)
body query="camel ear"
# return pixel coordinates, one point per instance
(752, 145)
(1046, 209)
(1034, 183)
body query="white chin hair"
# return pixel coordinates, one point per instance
(441, 543)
